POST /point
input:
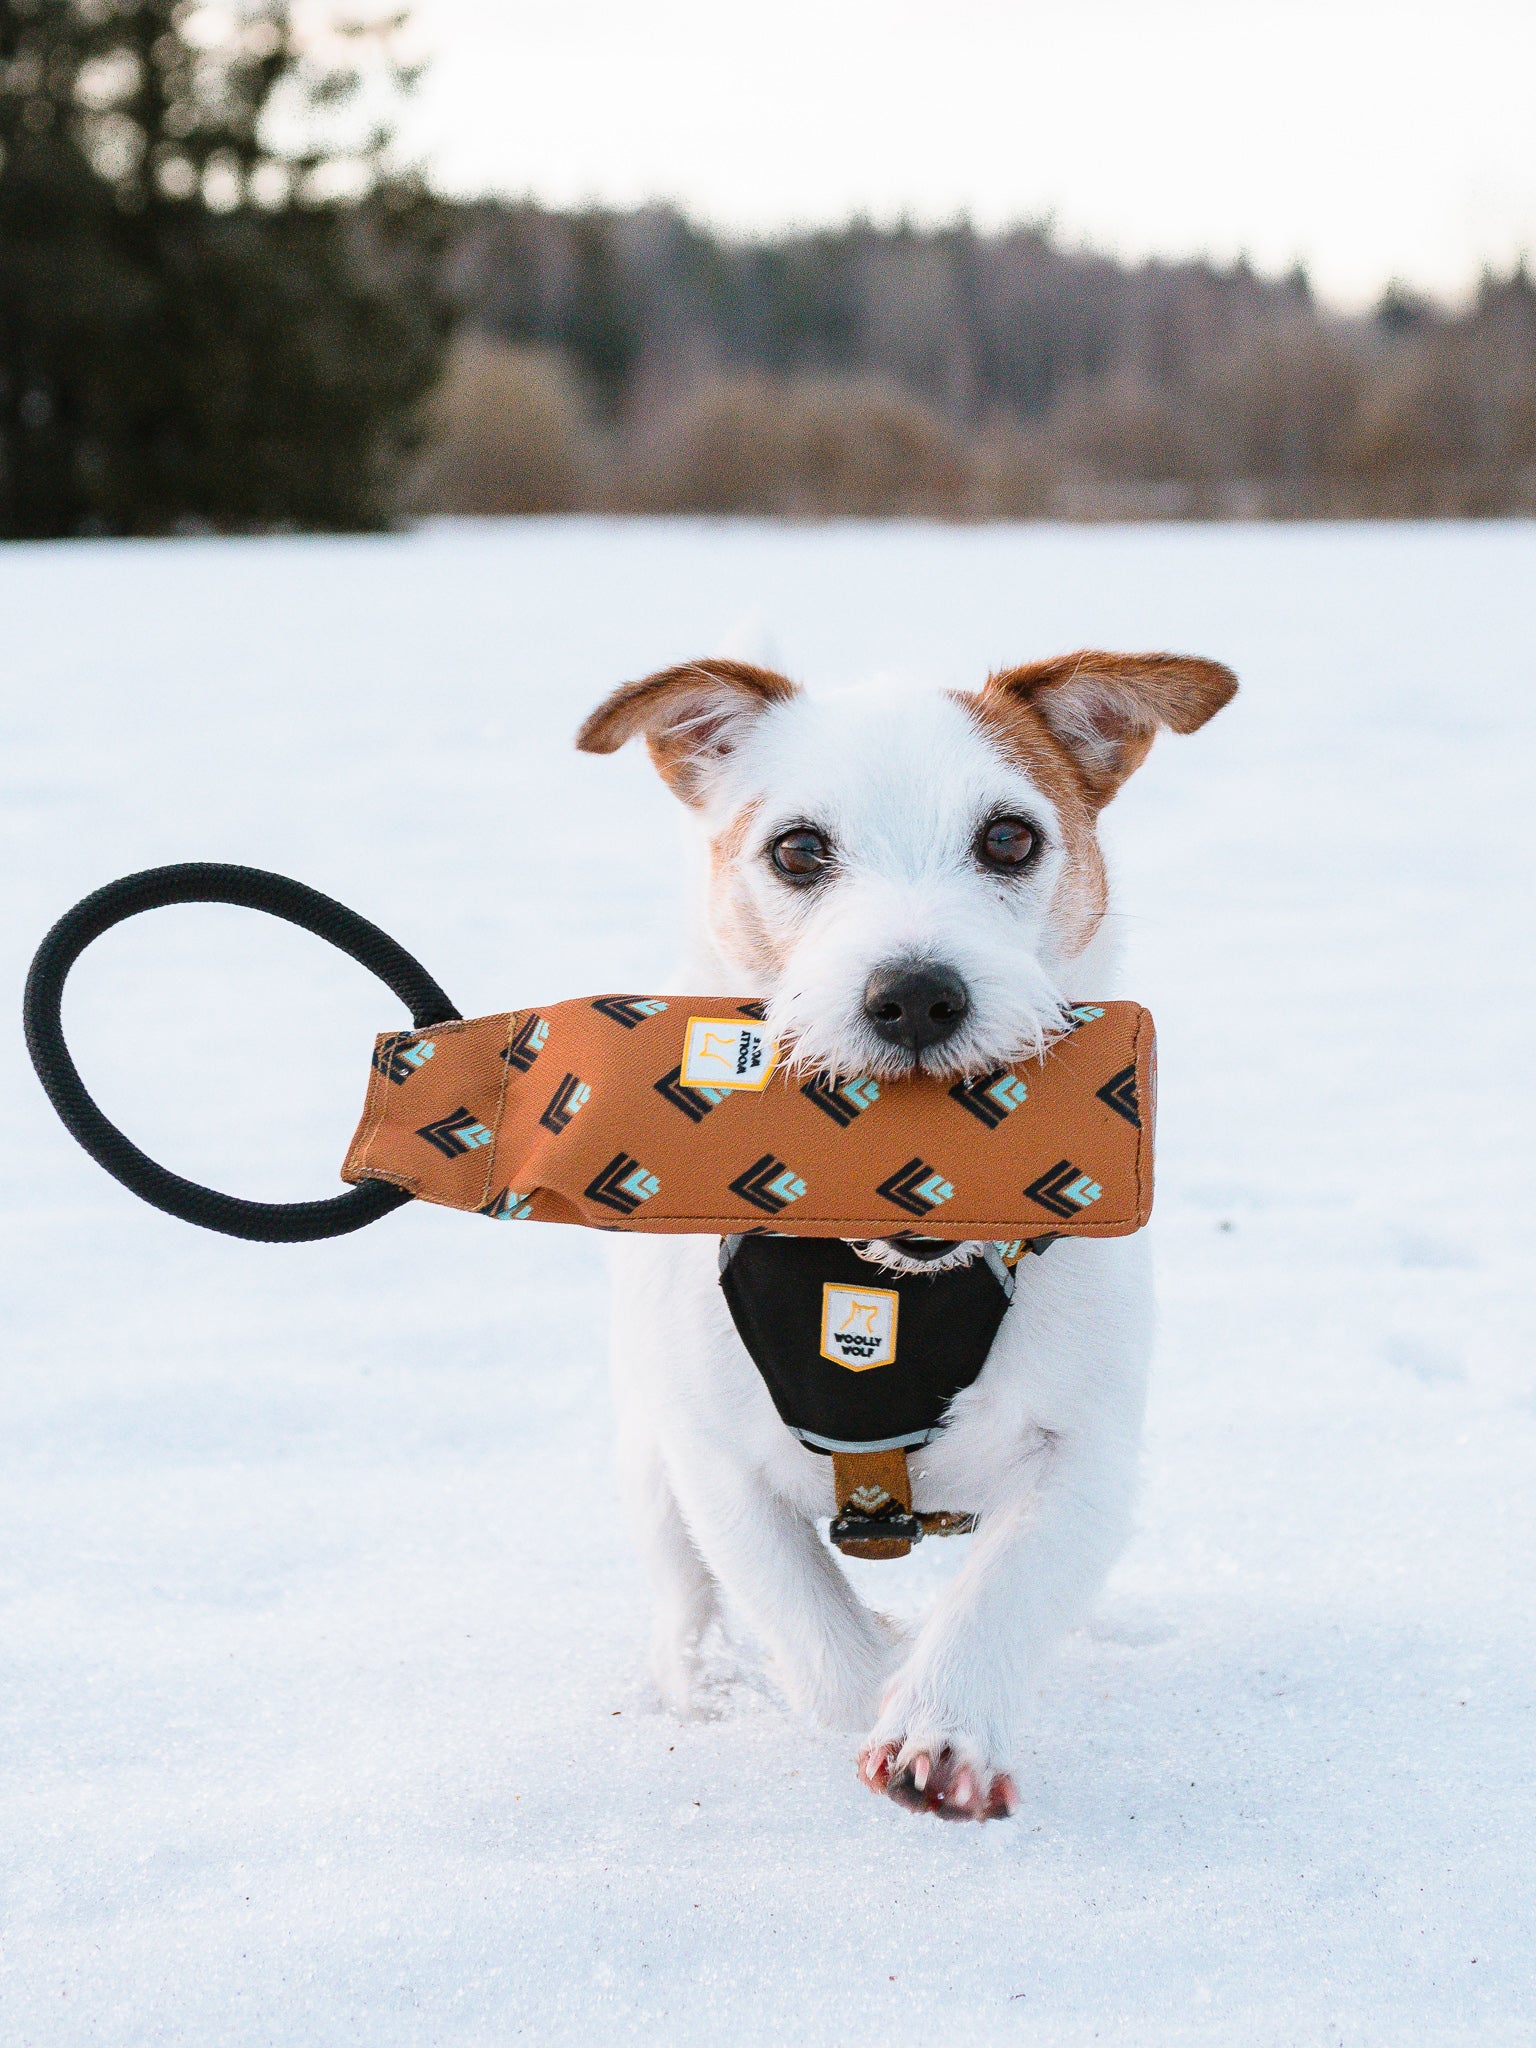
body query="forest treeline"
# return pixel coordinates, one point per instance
(224, 305)
(634, 361)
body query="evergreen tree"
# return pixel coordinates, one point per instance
(218, 307)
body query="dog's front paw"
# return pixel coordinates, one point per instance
(928, 1764)
(944, 1782)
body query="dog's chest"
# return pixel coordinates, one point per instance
(1068, 1352)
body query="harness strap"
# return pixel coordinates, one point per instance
(874, 1507)
(875, 1488)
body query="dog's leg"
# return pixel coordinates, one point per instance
(945, 1736)
(683, 1591)
(830, 1654)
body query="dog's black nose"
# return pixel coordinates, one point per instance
(916, 1003)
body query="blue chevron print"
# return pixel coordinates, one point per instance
(991, 1098)
(528, 1042)
(623, 1185)
(916, 1187)
(694, 1102)
(1064, 1190)
(768, 1184)
(397, 1059)
(456, 1134)
(629, 1010)
(572, 1095)
(841, 1100)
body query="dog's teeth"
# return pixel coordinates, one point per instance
(965, 1789)
(920, 1770)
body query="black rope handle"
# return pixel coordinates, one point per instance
(202, 881)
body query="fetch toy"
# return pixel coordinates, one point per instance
(669, 1114)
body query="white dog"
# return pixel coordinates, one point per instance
(908, 878)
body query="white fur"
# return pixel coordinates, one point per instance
(1044, 1445)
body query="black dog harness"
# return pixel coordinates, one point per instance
(862, 1363)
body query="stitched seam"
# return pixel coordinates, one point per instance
(1143, 1127)
(373, 1113)
(501, 1097)
(1113, 1226)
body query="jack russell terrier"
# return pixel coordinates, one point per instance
(907, 878)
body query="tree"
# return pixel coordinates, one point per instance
(218, 303)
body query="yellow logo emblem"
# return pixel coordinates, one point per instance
(724, 1052)
(858, 1325)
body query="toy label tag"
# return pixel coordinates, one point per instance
(723, 1052)
(858, 1325)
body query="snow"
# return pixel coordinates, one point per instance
(322, 1704)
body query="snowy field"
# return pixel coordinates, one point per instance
(320, 1640)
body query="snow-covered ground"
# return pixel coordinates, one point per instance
(320, 1640)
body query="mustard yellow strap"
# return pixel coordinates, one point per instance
(874, 1486)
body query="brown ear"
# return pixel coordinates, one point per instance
(693, 716)
(1105, 709)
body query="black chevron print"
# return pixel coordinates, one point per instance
(972, 1095)
(1080, 1014)
(628, 1010)
(823, 1092)
(564, 1103)
(609, 1189)
(768, 1184)
(1062, 1190)
(386, 1057)
(455, 1134)
(527, 1042)
(1119, 1091)
(831, 1097)
(752, 1009)
(916, 1187)
(695, 1103)
(978, 1097)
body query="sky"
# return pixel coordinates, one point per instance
(1367, 141)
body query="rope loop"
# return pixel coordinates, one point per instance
(250, 889)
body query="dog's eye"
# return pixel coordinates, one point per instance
(802, 854)
(1006, 843)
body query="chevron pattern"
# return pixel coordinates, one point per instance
(458, 1133)
(397, 1058)
(916, 1187)
(569, 1097)
(768, 1184)
(841, 1100)
(507, 1207)
(993, 1097)
(1084, 1013)
(623, 1185)
(1119, 1092)
(629, 1010)
(1064, 1190)
(527, 1043)
(695, 1103)
(753, 1009)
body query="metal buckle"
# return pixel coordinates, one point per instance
(855, 1532)
(853, 1529)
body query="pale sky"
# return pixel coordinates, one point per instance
(1366, 140)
